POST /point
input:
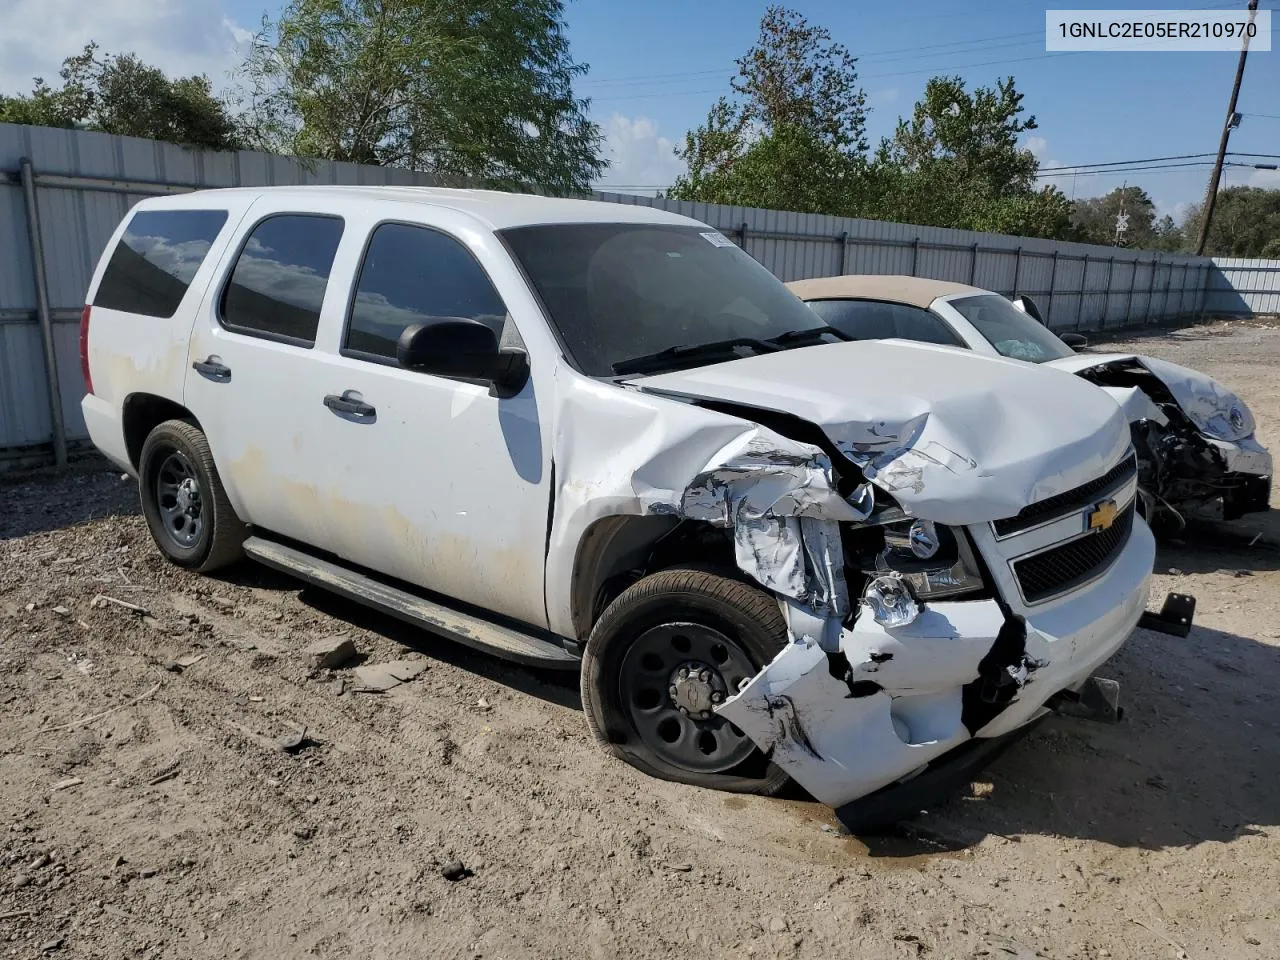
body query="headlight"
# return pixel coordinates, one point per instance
(1232, 420)
(934, 560)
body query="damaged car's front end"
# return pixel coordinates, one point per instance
(1196, 442)
(944, 574)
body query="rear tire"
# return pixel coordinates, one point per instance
(720, 631)
(186, 506)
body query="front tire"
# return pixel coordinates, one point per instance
(186, 506)
(661, 656)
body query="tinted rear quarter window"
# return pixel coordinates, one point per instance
(412, 275)
(278, 283)
(879, 320)
(152, 266)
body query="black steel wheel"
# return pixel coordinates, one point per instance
(177, 495)
(662, 656)
(191, 519)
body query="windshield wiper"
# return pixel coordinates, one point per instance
(792, 337)
(650, 362)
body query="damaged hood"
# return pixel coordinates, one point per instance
(1213, 408)
(955, 437)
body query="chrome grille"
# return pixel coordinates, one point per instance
(1061, 568)
(1075, 499)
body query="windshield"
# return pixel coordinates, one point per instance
(1009, 330)
(618, 291)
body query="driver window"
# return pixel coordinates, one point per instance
(413, 274)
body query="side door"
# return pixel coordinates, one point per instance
(252, 368)
(434, 480)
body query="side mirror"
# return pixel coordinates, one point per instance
(1076, 341)
(463, 348)
(1028, 306)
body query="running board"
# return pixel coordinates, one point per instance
(510, 644)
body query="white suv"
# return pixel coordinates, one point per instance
(602, 437)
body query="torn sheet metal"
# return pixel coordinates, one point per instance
(635, 454)
(879, 703)
(1137, 405)
(1244, 456)
(1209, 405)
(956, 438)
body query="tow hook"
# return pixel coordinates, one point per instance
(1174, 617)
(1097, 699)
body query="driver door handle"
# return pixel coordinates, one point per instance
(351, 403)
(212, 368)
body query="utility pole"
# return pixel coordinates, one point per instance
(1211, 196)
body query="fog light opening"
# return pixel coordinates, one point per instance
(891, 601)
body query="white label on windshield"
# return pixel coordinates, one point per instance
(717, 239)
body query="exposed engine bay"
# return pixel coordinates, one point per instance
(1181, 472)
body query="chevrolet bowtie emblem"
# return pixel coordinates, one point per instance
(1103, 515)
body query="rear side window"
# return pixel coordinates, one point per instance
(278, 283)
(152, 266)
(415, 275)
(878, 320)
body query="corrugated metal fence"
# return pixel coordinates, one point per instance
(82, 184)
(1243, 287)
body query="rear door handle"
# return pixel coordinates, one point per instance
(352, 404)
(212, 368)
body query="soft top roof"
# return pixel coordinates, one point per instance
(917, 291)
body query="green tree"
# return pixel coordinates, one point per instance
(792, 135)
(1246, 223)
(120, 94)
(475, 89)
(1168, 235)
(956, 163)
(1093, 219)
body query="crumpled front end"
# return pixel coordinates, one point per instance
(1196, 439)
(848, 715)
(1028, 490)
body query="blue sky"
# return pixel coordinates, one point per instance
(656, 67)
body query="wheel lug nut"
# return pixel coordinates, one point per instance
(684, 710)
(716, 696)
(705, 676)
(684, 673)
(672, 690)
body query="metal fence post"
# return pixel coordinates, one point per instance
(1168, 282)
(844, 251)
(1106, 297)
(973, 267)
(1017, 268)
(42, 309)
(1053, 280)
(1151, 289)
(1084, 285)
(742, 235)
(1133, 282)
(915, 255)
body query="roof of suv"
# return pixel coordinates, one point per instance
(917, 291)
(496, 209)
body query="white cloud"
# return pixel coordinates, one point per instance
(1178, 210)
(638, 156)
(1038, 146)
(1265, 178)
(181, 37)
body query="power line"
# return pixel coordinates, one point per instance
(882, 55)
(861, 58)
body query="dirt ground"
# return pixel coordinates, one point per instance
(147, 810)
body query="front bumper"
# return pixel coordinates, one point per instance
(846, 722)
(1248, 472)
